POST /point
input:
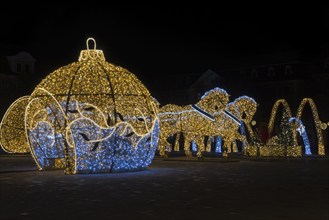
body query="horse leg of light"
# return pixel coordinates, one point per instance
(163, 144)
(200, 143)
(208, 148)
(225, 148)
(234, 146)
(187, 141)
(228, 146)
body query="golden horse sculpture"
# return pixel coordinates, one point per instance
(193, 120)
(240, 111)
(225, 123)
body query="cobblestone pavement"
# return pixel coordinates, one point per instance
(176, 188)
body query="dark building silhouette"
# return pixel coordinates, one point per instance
(266, 78)
(18, 77)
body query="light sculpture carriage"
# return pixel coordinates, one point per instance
(89, 117)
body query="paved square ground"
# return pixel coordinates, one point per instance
(177, 188)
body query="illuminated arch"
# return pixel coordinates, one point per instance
(12, 129)
(286, 107)
(317, 122)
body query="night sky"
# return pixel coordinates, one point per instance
(154, 40)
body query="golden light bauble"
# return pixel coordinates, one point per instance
(323, 126)
(94, 115)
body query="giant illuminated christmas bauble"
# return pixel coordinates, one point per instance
(92, 117)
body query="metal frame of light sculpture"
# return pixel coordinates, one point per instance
(195, 120)
(12, 128)
(92, 117)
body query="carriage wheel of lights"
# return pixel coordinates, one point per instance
(92, 117)
(12, 128)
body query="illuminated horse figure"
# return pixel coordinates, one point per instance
(239, 112)
(235, 115)
(192, 120)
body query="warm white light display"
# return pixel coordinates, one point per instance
(211, 116)
(95, 117)
(92, 117)
(317, 121)
(194, 121)
(277, 144)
